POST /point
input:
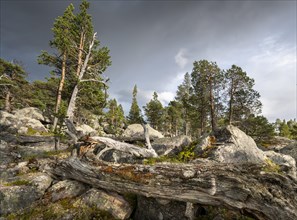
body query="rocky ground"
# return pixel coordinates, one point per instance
(225, 176)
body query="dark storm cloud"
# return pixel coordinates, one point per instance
(153, 43)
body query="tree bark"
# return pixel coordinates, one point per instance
(80, 52)
(7, 106)
(72, 102)
(60, 89)
(242, 187)
(212, 106)
(125, 147)
(231, 103)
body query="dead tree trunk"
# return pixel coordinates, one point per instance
(242, 187)
(72, 102)
(60, 89)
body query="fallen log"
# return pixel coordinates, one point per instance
(124, 147)
(244, 187)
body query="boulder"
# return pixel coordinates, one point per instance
(21, 124)
(22, 193)
(231, 145)
(159, 209)
(86, 130)
(29, 112)
(291, 150)
(135, 131)
(66, 189)
(171, 146)
(110, 202)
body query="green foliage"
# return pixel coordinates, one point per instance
(154, 112)
(271, 167)
(242, 99)
(18, 183)
(60, 210)
(14, 89)
(115, 117)
(135, 116)
(32, 132)
(207, 79)
(258, 127)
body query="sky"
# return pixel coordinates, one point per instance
(154, 43)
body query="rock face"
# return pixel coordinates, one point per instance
(19, 195)
(231, 145)
(29, 112)
(291, 150)
(66, 189)
(20, 123)
(136, 131)
(86, 130)
(170, 146)
(157, 209)
(113, 203)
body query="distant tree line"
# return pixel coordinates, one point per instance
(208, 97)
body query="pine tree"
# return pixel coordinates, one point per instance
(183, 96)
(206, 80)
(62, 42)
(13, 86)
(154, 112)
(135, 116)
(115, 117)
(174, 117)
(243, 100)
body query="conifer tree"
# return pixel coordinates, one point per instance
(183, 96)
(206, 80)
(62, 42)
(13, 85)
(115, 117)
(243, 100)
(154, 112)
(135, 116)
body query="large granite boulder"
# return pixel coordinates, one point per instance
(87, 130)
(66, 189)
(291, 150)
(110, 202)
(20, 123)
(170, 146)
(22, 192)
(136, 131)
(29, 112)
(231, 145)
(159, 209)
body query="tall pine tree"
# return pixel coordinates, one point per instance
(154, 112)
(135, 116)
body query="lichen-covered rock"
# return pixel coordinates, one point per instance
(291, 150)
(29, 112)
(231, 145)
(66, 189)
(86, 130)
(110, 202)
(169, 146)
(136, 131)
(159, 209)
(21, 123)
(22, 192)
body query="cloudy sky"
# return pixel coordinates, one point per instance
(154, 43)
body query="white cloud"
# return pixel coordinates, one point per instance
(181, 59)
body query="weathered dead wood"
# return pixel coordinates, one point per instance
(125, 147)
(245, 187)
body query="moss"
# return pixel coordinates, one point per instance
(63, 209)
(31, 132)
(152, 161)
(18, 183)
(271, 167)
